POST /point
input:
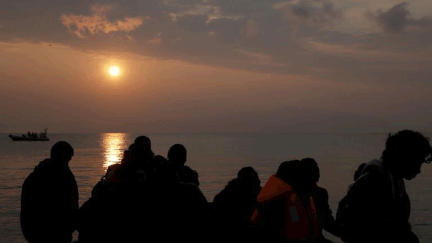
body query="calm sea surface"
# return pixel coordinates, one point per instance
(217, 158)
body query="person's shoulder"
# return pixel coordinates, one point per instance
(320, 193)
(320, 190)
(223, 195)
(187, 174)
(113, 167)
(39, 171)
(189, 186)
(30, 181)
(189, 170)
(45, 164)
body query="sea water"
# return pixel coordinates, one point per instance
(217, 158)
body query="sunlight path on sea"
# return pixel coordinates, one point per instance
(113, 145)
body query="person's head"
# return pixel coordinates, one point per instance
(405, 152)
(62, 152)
(177, 154)
(312, 167)
(131, 147)
(248, 175)
(296, 174)
(142, 148)
(359, 170)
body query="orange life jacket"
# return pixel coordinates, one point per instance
(296, 218)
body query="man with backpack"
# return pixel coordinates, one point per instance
(377, 207)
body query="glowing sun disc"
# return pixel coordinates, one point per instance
(114, 71)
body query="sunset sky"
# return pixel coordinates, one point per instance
(215, 66)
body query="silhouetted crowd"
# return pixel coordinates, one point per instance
(150, 198)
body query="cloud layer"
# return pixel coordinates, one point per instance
(295, 37)
(398, 18)
(98, 22)
(316, 11)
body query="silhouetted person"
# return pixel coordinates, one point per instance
(325, 217)
(176, 211)
(116, 208)
(49, 199)
(142, 154)
(139, 164)
(377, 207)
(286, 211)
(240, 194)
(234, 205)
(177, 155)
(115, 211)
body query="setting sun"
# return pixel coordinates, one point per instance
(114, 71)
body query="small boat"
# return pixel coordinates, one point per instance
(31, 136)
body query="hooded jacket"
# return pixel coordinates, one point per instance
(49, 203)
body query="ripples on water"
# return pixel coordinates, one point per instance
(216, 157)
(113, 145)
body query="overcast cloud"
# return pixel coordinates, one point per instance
(297, 36)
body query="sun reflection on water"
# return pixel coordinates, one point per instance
(113, 145)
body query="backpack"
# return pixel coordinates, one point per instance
(345, 215)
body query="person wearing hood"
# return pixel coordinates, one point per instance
(377, 207)
(286, 210)
(234, 205)
(49, 199)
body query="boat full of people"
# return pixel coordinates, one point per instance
(31, 136)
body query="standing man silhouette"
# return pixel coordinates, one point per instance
(49, 199)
